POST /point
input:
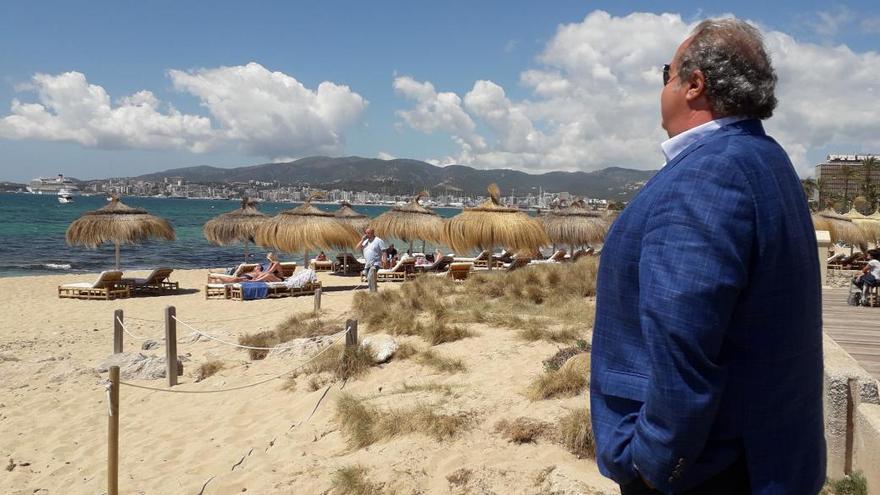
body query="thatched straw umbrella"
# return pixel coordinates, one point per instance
(869, 226)
(491, 224)
(305, 228)
(410, 222)
(843, 229)
(575, 225)
(119, 224)
(351, 216)
(235, 226)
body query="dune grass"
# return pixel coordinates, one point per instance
(854, 484)
(364, 424)
(570, 379)
(352, 480)
(521, 429)
(444, 364)
(296, 326)
(575, 433)
(208, 368)
(460, 477)
(343, 362)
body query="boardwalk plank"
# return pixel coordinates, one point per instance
(856, 329)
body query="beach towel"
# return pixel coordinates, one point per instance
(254, 290)
(300, 279)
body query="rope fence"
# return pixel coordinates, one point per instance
(112, 388)
(338, 336)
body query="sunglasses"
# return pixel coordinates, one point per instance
(665, 74)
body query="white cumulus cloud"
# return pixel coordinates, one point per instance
(594, 99)
(265, 113)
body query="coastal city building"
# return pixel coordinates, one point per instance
(844, 174)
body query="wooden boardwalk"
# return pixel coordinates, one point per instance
(855, 328)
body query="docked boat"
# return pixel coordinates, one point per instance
(64, 196)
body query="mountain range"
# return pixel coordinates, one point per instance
(403, 176)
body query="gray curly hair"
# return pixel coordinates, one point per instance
(740, 79)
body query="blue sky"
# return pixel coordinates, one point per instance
(404, 82)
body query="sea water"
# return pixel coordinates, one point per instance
(32, 228)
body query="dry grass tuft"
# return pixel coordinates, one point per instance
(317, 382)
(441, 388)
(556, 361)
(208, 368)
(460, 477)
(440, 332)
(569, 380)
(405, 350)
(289, 384)
(294, 327)
(343, 362)
(521, 430)
(444, 364)
(352, 480)
(576, 433)
(365, 425)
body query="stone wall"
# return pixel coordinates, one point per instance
(852, 416)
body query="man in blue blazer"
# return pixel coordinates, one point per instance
(707, 345)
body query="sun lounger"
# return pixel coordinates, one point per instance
(347, 263)
(322, 266)
(458, 271)
(217, 291)
(274, 290)
(108, 286)
(438, 265)
(517, 263)
(404, 269)
(155, 283)
(557, 257)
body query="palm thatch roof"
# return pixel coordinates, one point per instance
(349, 215)
(305, 228)
(117, 223)
(491, 224)
(841, 228)
(574, 225)
(235, 226)
(410, 222)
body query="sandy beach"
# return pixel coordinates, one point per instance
(53, 405)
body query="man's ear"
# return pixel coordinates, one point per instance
(696, 85)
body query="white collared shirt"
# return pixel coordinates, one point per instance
(675, 145)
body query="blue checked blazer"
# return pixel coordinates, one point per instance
(707, 343)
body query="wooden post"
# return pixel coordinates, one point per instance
(113, 434)
(317, 301)
(351, 338)
(372, 280)
(118, 318)
(171, 345)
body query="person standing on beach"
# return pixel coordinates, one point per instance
(373, 249)
(706, 372)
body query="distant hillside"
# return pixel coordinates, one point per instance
(407, 176)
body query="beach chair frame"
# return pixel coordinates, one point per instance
(107, 287)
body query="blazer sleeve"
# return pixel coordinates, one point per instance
(694, 262)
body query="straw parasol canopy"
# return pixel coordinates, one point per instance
(575, 225)
(117, 223)
(235, 226)
(491, 224)
(841, 228)
(305, 228)
(869, 226)
(349, 215)
(410, 222)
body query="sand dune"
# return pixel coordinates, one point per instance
(53, 406)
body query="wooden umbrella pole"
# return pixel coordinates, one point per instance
(117, 254)
(245, 250)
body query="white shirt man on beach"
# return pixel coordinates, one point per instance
(373, 249)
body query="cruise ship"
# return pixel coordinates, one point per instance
(51, 185)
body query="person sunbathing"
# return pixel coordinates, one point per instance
(272, 273)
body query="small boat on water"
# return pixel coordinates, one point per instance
(64, 196)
